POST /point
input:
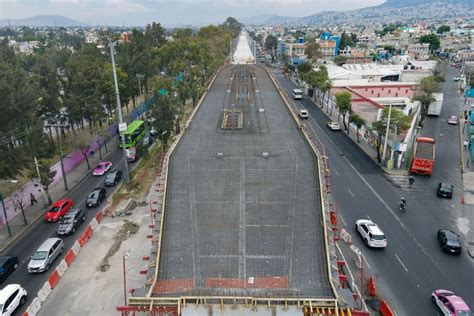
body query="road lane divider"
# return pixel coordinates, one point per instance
(34, 308)
(62, 267)
(70, 256)
(54, 279)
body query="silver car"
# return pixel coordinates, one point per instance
(49, 250)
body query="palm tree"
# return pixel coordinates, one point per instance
(344, 105)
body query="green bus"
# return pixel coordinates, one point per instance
(134, 134)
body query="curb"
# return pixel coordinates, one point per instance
(64, 264)
(36, 220)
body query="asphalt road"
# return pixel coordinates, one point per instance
(412, 265)
(40, 231)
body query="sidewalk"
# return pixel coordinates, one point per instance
(35, 212)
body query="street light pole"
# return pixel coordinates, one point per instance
(61, 159)
(386, 133)
(162, 147)
(119, 111)
(124, 258)
(6, 217)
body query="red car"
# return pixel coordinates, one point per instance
(58, 210)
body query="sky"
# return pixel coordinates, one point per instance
(170, 12)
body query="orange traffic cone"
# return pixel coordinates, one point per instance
(371, 288)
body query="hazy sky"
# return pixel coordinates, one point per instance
(170, 12)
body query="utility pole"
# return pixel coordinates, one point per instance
(57, 122)
(61, 158)
(119, 111)
(386, 134)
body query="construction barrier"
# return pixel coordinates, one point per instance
(385, 309)
(89, 231)
(44, 292)
(100, 216)
(69, 258)
(83, 239)
(371, 288)
(54, 279)
(76, 247)
(34, 307)
(94, 223)
(62, 267)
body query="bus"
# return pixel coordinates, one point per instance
(297, 94)
(134, 134)
(423, 156)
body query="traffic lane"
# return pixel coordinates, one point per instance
(41, 231)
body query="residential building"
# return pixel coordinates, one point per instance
(329, 45)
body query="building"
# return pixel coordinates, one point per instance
(419, 51)
(296, 51)
(329, 45)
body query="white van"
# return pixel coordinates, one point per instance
(297, 94)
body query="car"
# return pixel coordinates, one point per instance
(449, 241)
(8, 264)
(58, 210)
(96, 197)
(453, 120)
(303, 114)
(147, 140)
(334, 126)
(102, 168)
(131, 154)
(113, 178)
(70, 222)
(450, 304)
(44, 256)
(12, 296)
(371, 233)
(445, 190)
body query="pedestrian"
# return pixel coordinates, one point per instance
(469, 145)
(92, 153)
(465, 113)
(411, 180)
(466, 143)
(32, 199)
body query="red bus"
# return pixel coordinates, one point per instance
(423, 156)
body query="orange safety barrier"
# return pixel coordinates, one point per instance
(24, 314)
(333, 218)
(99, 217)
(83, 239)
(54, 279)
(69, 257)
(371, 288)
(385, 309)
(89, 231)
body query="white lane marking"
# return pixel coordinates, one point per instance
(399, 260)
(342, 220)
(350, 192)
(366, 262)
(335, 171)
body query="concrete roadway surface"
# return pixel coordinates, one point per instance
(412, 265)
(26, 245)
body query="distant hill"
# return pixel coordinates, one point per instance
(266, 19)
(42, 20)
(411, 3)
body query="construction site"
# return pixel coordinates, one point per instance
(238, 224)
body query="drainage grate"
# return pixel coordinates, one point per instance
(232, 119)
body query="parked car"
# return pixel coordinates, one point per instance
(453, 120)
(304, 114)
(449, 241)
(371, 233)
(44, 256)
(450, 304)
(96, 197)
(70, 222)
(445, 190)
(102, 168)
(58, 210)
(8, 264)
(113, 178)
(131, 154)
(334, 126)
(12, 296)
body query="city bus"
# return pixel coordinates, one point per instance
(134, 134)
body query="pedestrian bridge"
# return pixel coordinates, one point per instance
(243, 53)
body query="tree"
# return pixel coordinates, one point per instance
(424, 94)
(378, 127)
(47, 176)
(313, 52)
(271, 42)
(344, 106)
(232, 25)
(304, 68)
(431, 39)
(358, 122)
(340, 60)
(19, 203)
(82, 142)
(443, 29)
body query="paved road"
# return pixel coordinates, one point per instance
(41, 230)
(412, 265)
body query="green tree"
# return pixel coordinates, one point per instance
(431, 39)
(443, 29)
(313, 52)
(340, 60)
(344, 106)
(271, 42)
(358, 122)
(304, 68)
(232, 25)
(47, 177)
(424, 94)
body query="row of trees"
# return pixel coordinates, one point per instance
(66, 76)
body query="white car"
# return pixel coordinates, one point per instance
(453, 120)
(304, 114)
(334, 126)
(372, 235)
(11, 297)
